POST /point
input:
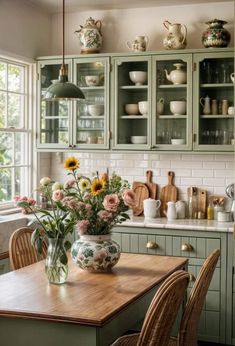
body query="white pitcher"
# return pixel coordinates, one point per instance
(171, 211)
(180, 209)
(205, 102)
(151, 207)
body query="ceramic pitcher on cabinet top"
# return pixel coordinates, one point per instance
(139, 45)
(176, 37)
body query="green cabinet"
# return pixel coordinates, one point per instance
(5, 265)
(231, 290)
(77, 124)
(196, 246)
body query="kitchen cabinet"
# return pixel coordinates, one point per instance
(196, 246)
(231, 291)
(103, 121)
(213, 126)
(77, 124)
(5, 265)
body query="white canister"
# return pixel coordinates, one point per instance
(223, 216)
(217, 208)
(151, 207)
(180, 209)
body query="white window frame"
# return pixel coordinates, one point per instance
(26, 181)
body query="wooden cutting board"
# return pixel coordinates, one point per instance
(168, 193)
(202, 202)
(151, 186)
(142, 192)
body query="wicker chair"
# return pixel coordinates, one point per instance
(21, 251)
(187, 335)
(161, 313)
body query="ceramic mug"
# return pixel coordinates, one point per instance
(151, 207)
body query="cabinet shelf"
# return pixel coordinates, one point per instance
(133, 87)
(172, 86)
(139, 117)
(91, 129)
(91, 88)
(217, 85)
(216, 116)
(91, 117)
(171, 116)
(50, 117)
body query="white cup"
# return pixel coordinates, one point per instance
(231, 110)
(151, 207)
(92, 80)
(143, 107)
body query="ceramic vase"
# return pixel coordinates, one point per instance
(95, 252)
(56, 266)
(176, 37)
(216, 35)
(90, 36)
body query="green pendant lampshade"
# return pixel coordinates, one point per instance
(63, 89)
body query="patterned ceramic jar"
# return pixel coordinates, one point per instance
(216, 35)
(95, 252)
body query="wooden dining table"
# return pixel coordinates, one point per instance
(90, 309)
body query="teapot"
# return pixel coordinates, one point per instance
(205, 102)
(139, 45)
(90, 36)
(160, 106)
(177, 76)
(171, 211)
(176, 38)
(151, 207)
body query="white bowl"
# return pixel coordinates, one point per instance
(132, 108)
(95, 110)
(138, 139)
(177, 141)
(143, 107)
(138, 77)
(178, 107)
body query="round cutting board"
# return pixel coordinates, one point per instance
(142, 193)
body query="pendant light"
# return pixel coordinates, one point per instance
(63, 89)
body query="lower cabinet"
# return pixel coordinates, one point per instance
(231, 291)
(4, 266)
(196, 246)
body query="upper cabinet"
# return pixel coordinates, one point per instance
(75, 124)
(213, 101)
(168, 101)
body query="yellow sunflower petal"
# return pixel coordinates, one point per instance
(97, 186)
(71, 163)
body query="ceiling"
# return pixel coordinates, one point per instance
(54, 6)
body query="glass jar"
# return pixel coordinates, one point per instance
(56, 261)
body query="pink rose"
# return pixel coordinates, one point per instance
(111, 202)
(82, 226)
(87, 196)
(129, 198)
(57, 195)
(31, 201)
(104, 215)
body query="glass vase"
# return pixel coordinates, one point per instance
(56, 261)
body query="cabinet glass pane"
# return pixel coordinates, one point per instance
(216, 95)
(91, 113)
(132, 108)
(171, 108)
(54, 124)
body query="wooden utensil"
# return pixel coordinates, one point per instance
(202, 202)
(151, 186)
(142, 192)
(168, 193)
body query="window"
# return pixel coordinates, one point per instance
(15, 133)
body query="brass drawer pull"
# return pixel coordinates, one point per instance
(151, 245)
(186, 247)
(192, 277)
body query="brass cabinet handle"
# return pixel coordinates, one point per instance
(192, 277)
(186, 247)
(151, 245)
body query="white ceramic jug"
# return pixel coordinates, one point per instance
(160, 106)
(180, 209)
(171, 211)
(176, 37)
(205, 102)
(151, 207)
(139, 45)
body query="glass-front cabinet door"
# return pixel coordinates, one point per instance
(54, 117)
(91, 121)
(131, 104)
(172, 102)
(214, 101)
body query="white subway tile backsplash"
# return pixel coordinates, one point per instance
(212, 172)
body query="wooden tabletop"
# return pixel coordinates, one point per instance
(86, 298)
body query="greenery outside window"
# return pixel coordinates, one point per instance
(15, 133)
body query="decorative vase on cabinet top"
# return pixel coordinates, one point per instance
(176, 37)
(216, 35)
(177, 76)
(139, 45)
(90, 36)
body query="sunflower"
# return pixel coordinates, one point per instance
(97, 186)
(71, 163)
(84, 184)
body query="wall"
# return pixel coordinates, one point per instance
(208, 171)
(118, 26)
(25, 30)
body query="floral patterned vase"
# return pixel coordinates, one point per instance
(95, 252)
(216, 35)
(90, 36)
(56, 261)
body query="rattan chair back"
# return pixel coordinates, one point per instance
(161, 313)
(189, 324)
(21, 252)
